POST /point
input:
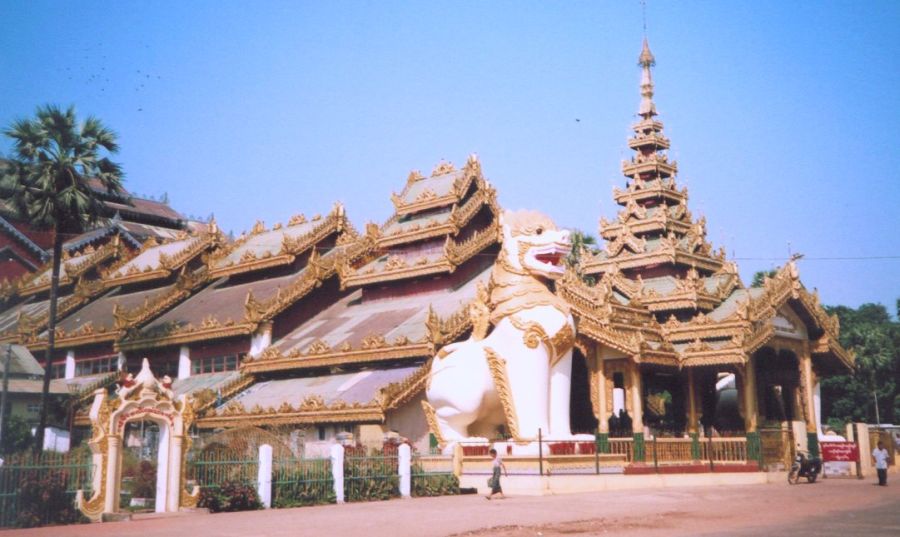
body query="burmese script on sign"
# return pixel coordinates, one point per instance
(840, 452)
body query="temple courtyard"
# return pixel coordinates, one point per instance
(830, 507)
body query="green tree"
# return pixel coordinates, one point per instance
(759, 277)
(52, 177)
(581, 243)
(870, 332)
(16, 436)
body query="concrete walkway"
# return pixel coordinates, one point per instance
(770, 509)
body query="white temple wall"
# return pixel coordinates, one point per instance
(409, 422)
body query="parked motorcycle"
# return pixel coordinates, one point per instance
(804, 466)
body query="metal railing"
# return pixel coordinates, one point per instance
(298, 482)
(74, 470)
(210, 469)
(370, 475)
(431, 474)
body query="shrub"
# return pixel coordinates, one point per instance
(16, 436)
(231, 496)
(303, 482)
(44, 500)
(433, 484)
(371, 478)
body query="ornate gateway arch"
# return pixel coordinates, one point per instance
(139, 398)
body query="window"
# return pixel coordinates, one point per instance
(34, 408)
(216, 364)
(95, 366)
(58, 370)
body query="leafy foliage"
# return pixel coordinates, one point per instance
(875, 338)
(231, 496)
(43, 500)
(369, 478)
(53, 181)
(16, 435)
(424, 484)
(759, 277)
(54, 162)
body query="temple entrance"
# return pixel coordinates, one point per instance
(581, 413)
(719, 402)
(664, 403)
(146, 423)
(778, 377)
(143, 473)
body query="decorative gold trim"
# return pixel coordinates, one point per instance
(432, 421)
(497, 366)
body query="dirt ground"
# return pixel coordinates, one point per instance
(830, 507)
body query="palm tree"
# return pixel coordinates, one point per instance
(581, 243)
(52, 179)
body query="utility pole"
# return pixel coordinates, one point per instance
(6, 362)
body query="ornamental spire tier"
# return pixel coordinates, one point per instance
(655, 247)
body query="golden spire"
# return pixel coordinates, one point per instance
(646, 61)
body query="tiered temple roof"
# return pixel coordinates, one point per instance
(662, 294)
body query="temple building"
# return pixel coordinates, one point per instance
(669, 326)
(311, 329)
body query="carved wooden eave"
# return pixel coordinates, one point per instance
(397, 394)
(639, 190)
(84, 335)
(208, 330)
(652, 163)
(320, 354)
(714, 357)
(335, 222)
(680, 300)
(271, 417)
(71, 272)
(827, 347)
(204, 400)
(662, 256)
(167, 264)
(606, 335)
(29, 328)
(185, 285)
(660, 222)
(471, 172)
(642, 139)
(314, 410)
(396, 268)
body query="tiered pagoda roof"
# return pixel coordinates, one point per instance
(662, 294)
(439, 223)
(403, 299)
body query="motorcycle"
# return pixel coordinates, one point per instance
(804, 466)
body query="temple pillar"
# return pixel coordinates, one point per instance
(809, 412)
(121, 362)
(693, 420)
(184, 362)
(70, 364)
(113, 463)
(602, 404)
(751, 411)
(173, 492)
(637, 416)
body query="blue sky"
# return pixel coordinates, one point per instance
(781, 114)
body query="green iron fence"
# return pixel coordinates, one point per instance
(370, 476)
(210, 469)
(298, 482)
(73, 470)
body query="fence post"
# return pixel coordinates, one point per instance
(655, 455)
(264, 475)
(540, 453)
(337, 471)
(403, 468)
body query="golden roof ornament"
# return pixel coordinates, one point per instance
(646, 61)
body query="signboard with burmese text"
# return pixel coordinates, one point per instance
(839, 452)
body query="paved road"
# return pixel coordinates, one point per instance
(832, 507)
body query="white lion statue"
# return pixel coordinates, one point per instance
(519, 376)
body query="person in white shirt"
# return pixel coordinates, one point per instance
(880, 455)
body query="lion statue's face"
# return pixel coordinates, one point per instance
(533, 243)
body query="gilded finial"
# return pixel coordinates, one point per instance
(646, 61)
